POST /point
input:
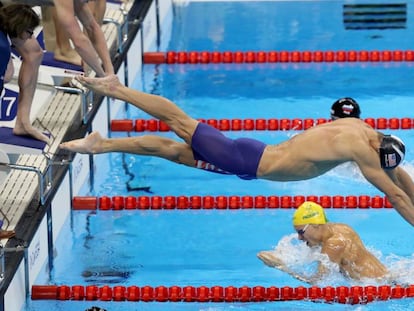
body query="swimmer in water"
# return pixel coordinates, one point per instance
(307, 155)
(339, 242)
(345, 107)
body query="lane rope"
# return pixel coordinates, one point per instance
(329, 294)
(223, 202)
(227, 57)
(261, 124)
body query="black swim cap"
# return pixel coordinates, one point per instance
(345, 108)
(95, 309)
(392, 152)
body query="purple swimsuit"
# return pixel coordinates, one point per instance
(217, 153)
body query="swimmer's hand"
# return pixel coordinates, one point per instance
(270, 259)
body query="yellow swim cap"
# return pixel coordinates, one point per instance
(309, 213)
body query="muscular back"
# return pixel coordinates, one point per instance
(319, 149)
(343, 246)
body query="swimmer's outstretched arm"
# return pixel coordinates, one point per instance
(270, 259)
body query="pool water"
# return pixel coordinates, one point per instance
(207, 247)
(280, 25)
(219, 247)
(226, 92)
(251, 86)
(211, 248)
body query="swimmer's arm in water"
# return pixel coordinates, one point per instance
(271, 260)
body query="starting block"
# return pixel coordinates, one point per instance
(4, 170)
(11, 146)
(11, 143)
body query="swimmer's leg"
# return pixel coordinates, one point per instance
(32, 56)
(157, 106)
(149, 145)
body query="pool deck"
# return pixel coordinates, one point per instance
(63, 116)
(58, 116)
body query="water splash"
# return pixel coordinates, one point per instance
(409, 167)
(303, 260)
(401, 268)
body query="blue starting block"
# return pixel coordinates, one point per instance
(11, 143)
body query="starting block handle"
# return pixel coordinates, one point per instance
(45, 180)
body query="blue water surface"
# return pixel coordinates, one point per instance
(219, 247)
(279, 25)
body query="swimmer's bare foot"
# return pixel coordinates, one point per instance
(71, 57)
(28, 130)
(91, 144)
(105, 86)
